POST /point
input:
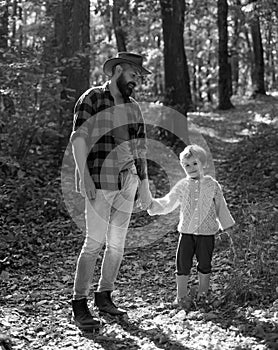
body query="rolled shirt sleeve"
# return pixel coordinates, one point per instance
(82, 119)
(83, 111)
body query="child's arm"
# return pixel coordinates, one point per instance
(163, 205)
(223, 214)
(155, 207)
(167, 203)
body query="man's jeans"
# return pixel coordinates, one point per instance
(107, 219)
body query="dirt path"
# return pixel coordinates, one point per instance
(35, 299)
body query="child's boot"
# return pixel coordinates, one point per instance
(204, 280)
(183, 300)
(202, 296)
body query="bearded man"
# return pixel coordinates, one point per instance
(109, 148)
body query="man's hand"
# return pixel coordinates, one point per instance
(145, 196)
(87, 187)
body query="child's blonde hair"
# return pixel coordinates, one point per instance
(194, 151)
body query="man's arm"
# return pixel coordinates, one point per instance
(141, 139)
(145, 197)
(80, 152)
(83, 113)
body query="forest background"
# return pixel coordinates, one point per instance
(215, 62)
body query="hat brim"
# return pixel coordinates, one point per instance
(109, 64)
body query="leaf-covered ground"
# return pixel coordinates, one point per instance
(41, 244)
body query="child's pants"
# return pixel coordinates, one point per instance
(200, 245)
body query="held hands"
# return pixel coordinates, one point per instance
(145, 196)
(87, 186)
(154, 208)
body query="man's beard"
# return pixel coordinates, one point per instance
(126, 89)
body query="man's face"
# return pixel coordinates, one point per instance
(127, 82)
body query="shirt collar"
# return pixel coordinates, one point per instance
(105, 86)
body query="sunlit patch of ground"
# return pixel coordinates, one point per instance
(36, 290)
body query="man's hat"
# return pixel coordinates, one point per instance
(125, 57)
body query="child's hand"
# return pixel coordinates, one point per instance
(152, 208)
(145, 196)
(231, 230)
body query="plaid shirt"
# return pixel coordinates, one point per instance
(93, 120)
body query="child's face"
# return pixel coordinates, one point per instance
(193, 167)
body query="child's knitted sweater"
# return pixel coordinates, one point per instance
(203, 209)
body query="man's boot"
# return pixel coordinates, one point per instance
(82, 316)
(104, 303)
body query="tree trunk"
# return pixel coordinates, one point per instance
(208, 73)
(224, 68)
(4, 21)
(14, 16)
(72, 39)
(177, 87)
(118, 29)
(258, 73)
(137, 24)
(250, 56)
(192, 43)
(79, 77)
(272, 70)
(20, 27)
(235, 49)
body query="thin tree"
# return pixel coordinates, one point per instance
(4, 22)
(237, 24)
(117, 25)
(270, 57)
(258, 67)
(224, 77)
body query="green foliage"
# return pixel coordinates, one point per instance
(256, 248)
(253, 168)
(40, 246)
(38, 110)
(38, 239)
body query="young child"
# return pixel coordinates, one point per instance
(203, 211)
